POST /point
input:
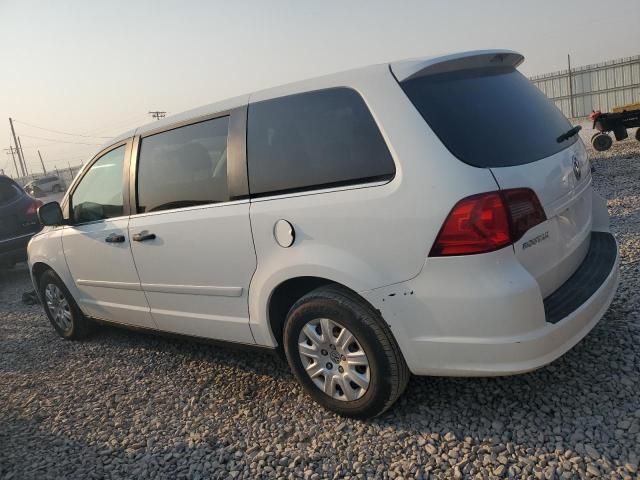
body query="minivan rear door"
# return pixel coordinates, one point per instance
(490, 116)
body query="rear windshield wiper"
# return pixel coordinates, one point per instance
(568, 134)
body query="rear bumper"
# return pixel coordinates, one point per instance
(15, 249)
(497, 323)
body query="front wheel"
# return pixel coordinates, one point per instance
(343, 353)
(601, 141)
(61, 308)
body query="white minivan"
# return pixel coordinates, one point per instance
(432, 216)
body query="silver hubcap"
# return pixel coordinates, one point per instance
(334, 359)
(58, 306)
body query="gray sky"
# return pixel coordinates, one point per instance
(97, 67)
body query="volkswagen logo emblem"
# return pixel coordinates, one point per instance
(576, 168)
(335, 356)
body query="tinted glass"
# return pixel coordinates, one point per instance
(8, 190)
(184, 167)
(314, 139)
(491, 117)
(99, 194)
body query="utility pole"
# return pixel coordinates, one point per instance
(15, 165)
(42, 163)
(158, 115)
(15, 142)
(570, 86)
(24, 160)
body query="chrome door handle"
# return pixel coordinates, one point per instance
(115, 238)
(143, 236)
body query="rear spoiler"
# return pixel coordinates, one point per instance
(408, 69)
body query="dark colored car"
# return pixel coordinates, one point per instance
(18, 221)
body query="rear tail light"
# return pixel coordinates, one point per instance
(487, 222)
(33, 208)
(525, 211)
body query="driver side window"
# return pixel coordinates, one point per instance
(98, 196)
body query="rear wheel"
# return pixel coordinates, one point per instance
(61, 308)
(601, 142)
(638, 134)
(343, 354)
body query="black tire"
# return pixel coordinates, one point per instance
(388, 374)
(601, 142)
(79, 326)
(638, 134)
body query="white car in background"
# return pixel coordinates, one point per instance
(47, 184)
(432, 216)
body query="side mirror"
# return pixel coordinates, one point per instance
(50, 214)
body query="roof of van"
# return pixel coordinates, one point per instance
(403, 70)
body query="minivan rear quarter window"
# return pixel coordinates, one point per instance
(314, 140)
(489, 117)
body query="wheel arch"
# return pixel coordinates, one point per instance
(288, 292)
(37, 270)
(39, 267)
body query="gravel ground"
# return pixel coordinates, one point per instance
(131, 405)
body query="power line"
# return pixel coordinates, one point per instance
(59, 131)
(60, 159)
(53, 145)
(60, 141)
(120, 124)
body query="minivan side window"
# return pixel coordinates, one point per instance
(313, 140)
(184, 167)
(98, 196)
